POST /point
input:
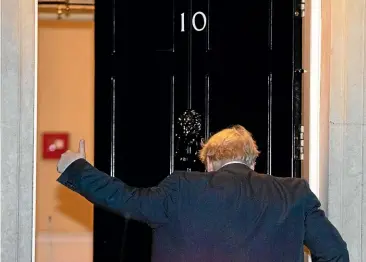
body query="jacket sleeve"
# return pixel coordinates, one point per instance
(321, 237)
(154, 205)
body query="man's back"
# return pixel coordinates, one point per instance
(235, 214)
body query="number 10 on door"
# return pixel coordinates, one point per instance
(182, 21)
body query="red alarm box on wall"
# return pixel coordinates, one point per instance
(54, 145)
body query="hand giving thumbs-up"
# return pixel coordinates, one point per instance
(69, 157)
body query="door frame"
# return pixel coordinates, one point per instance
(316, 83)
(316, 97)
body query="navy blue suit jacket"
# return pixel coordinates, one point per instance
(232, 215)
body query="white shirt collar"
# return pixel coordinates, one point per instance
(233, 162)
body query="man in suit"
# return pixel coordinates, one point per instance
(228, 214)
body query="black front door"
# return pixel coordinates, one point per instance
(165, 67)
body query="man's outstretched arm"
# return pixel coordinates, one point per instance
(321, 237)
(154, 205)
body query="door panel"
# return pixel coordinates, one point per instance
(150, 76)
(239, 70)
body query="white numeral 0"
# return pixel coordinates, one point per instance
(194, 21)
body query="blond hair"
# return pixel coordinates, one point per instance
(231, 144)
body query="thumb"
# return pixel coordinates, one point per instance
(82, 147)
